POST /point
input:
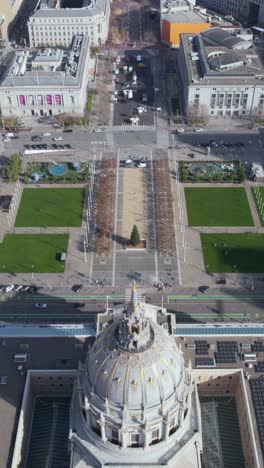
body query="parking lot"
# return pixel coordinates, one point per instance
(134, 91)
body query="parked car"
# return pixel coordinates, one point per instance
(180, 130)
(203, 289)
(57, 138)
(198, 130)
(68, 146)
(18, 287)
(30, 290)
(41, 306)
(142, 164)
(77, 287)
(25, 288)
(46, 134)
(9, 288)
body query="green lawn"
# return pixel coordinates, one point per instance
(233, 253)
(50, 207)
(258, 193)
(213, 206)
(18, 252)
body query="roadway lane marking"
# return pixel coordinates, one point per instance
(115, 223)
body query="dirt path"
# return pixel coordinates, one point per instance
(134, 203)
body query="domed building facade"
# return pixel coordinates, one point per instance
(134, 403)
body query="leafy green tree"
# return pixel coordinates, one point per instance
(12, 169)
(135, 237)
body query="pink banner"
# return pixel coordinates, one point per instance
(22, 100)
(49, 99)
(58, 99)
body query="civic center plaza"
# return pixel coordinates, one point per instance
(135, 389)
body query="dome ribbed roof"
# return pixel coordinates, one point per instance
(139, 368)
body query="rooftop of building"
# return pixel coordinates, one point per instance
(66, 351)
(89, 8)
(188, 16)
(234, 63)
(51, 66)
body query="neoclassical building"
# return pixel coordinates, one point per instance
(134, 403)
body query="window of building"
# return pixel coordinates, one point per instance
(134, 439)
(115, 437)
(155, 437)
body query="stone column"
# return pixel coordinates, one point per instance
(102, 424)
(167, 427)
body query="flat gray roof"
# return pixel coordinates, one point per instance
(97, 9)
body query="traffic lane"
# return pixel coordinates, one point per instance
(216, 310)
(78, 140)
(56, 311)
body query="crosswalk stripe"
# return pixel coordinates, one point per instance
(132, 128)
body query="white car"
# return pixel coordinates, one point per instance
(141, 110)
(198, 130)
(98, 130)
(9, 288)
(46, 134)
(41, 306)
(158, 109)
(142, 164)
(180, 130)
(139, 58)
(57, 138)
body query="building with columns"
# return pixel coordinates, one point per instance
(221, 74)
(134, 401)
(46, 81)
(51, 25)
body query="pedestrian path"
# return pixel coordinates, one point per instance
(132, 128)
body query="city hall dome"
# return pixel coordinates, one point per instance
(134, 399)
(134, 363)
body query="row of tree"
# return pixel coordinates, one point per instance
(165, 234)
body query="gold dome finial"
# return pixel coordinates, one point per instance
(134, 294)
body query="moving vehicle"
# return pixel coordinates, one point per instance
(41, 306)
(9, 288)
(130, 94)
(57, 138)
(198, 130)
(180, 130)
(9, 135)
(68, 130)
(6, 140)
(46, 134)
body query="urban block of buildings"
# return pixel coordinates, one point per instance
(47, 81)
(51, 25)
(249, 12)
(177, 17)
(221, 74)
(8, 12)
